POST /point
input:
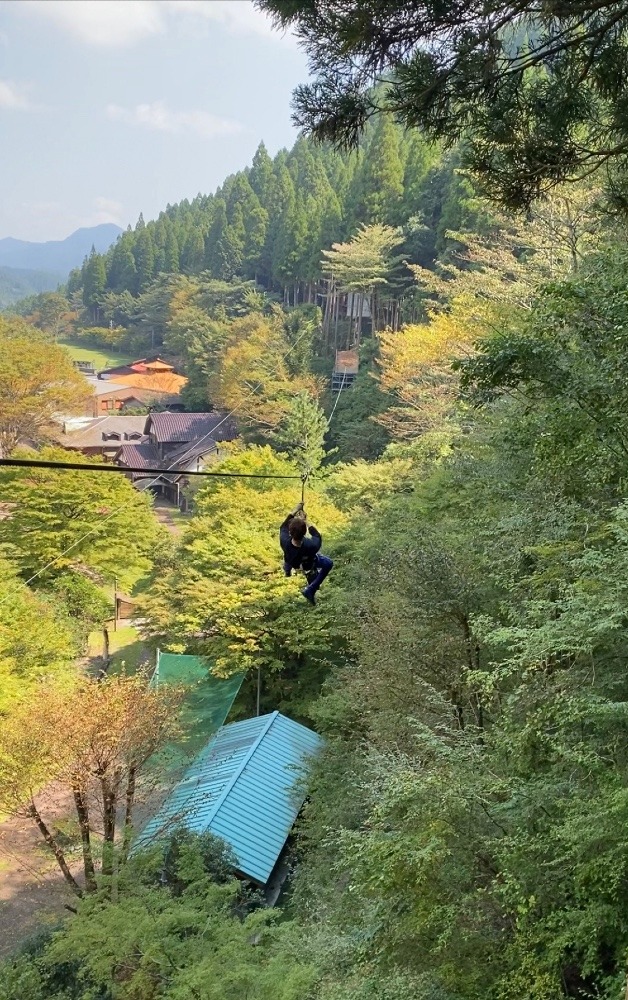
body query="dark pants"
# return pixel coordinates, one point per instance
(324, 565)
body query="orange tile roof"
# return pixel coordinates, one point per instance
(157, 381)
(157, 366)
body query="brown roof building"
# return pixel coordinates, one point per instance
(101, 437)
(178, 442)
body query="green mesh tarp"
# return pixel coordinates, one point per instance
(207, 702)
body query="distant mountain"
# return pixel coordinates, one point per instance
(17, 283)
(57, 257)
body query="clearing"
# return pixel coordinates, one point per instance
(99, 357)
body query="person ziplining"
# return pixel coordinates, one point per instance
(301, 552)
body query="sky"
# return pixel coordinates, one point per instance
(109, 108)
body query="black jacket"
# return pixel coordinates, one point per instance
(299, 556)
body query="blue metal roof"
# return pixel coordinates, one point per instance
(245, 787)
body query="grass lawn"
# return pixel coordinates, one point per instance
(99, 358)
(126, 650)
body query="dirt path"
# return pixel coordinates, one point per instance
(169, 515)
(33, 893)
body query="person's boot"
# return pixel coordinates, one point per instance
(308, 595)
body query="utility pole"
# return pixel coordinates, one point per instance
(259, 688)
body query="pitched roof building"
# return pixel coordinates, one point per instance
(169, 430)
(148, 374)
(102, 436)
(180, 442)
(246, 788)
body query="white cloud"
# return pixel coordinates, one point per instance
(54, 220)
(101, 22)
(237, 16)
(12, 97)
(160, 118)
(119, 23)
(107, 210)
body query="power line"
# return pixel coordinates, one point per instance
(28, 463)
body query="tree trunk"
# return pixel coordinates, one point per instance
(33, 812)
(109, 824)
(105, 656)
(83, 818)
(458, 709)
(327, 313)
(473, 662)
(128, 810)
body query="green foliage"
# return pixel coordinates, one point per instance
(365, 262)
(86, 602)
(536, 92)
(94, 279)
(37, 639)
(569, 357)
(380, 179)
(74, 519)
(199, 941)
(302, 434)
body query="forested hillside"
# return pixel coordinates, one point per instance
(464, 834)
(271, 222)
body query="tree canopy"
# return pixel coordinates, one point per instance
(37, 381)
(536, 90)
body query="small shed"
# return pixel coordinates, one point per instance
(245, 787)
(345, 370)
(125, 607)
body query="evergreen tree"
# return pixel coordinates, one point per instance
(171, 264)
(122, 274)
(302, 433)
(280, 196)
(249, 221)
(144, 254)
(74, 282)
(261, 175)
(193, 253)
(379, 182)
(94, 279)
(213, 257)
(291, 243)
(420, 160)
(160, 260)
(231, 251)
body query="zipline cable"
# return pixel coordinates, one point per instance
(342, 385)
(83, 467)
(152, 483)
(306, 474)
